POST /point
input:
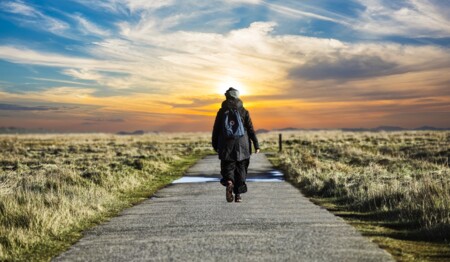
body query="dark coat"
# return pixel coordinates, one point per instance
(231, 149)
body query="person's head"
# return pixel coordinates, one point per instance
(232, 93)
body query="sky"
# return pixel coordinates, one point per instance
(164, 65)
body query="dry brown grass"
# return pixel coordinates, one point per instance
(54, 185)
(398, 179)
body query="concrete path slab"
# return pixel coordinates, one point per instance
(193, 222)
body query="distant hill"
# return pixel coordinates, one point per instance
(289, 129)
(393, 128)
(361, 129)
(356, 129)
(388, 128)
(430, 128)
(376, 129)
(262, 131)
(137, 132)
(20, 130)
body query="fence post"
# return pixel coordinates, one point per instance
(280, 142)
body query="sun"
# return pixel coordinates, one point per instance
(223, 86)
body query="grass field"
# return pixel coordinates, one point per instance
(393, 186)
(54, 186)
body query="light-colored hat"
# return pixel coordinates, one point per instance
(232, 93)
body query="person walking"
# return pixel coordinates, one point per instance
(232, 138)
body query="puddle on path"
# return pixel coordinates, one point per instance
(272, 176)
(195, 179)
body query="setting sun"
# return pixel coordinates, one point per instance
(223, 86)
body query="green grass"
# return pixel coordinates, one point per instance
(394, 187)
(55, 186)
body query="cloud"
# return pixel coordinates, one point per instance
(410, 18)
(58, 81)
(12, 107)
(83, 74)
(299, 13)
(398, 87)
(125, 6)
(150, 64)
(96, 119)
(31, 17)
(136, 5)
(359, 66)
(77, 67)
(88, 123)
(146, 60)
(67, 91)
(247, 1)
(89, 28)
(105, 6)
(21, 8)
(195, 102)
(124, 81)
(36, 57)
(172, 56)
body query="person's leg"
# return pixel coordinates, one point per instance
(240, 175)
(228, 180)
(227, 171)
(247, 163)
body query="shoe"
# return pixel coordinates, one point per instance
(237, 199)
(229, 191)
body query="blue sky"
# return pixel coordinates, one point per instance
(163, 65)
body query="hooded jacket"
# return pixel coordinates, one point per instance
(231, 149)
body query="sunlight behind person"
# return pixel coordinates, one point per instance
(223, 86)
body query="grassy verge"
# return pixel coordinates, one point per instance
(54, 187)
(393, 187)
(44, 251)
(401, 240)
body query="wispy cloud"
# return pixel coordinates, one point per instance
(125, 6)
(21, 8)
(58, 81)
(23, 55)
(299, 13)
(412, 18)
(83, 74)
(96, 119)
(12, 107)
(196, 102)
(136, 5)
(89, 28)
(31, 17)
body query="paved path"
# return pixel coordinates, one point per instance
(193, 222)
